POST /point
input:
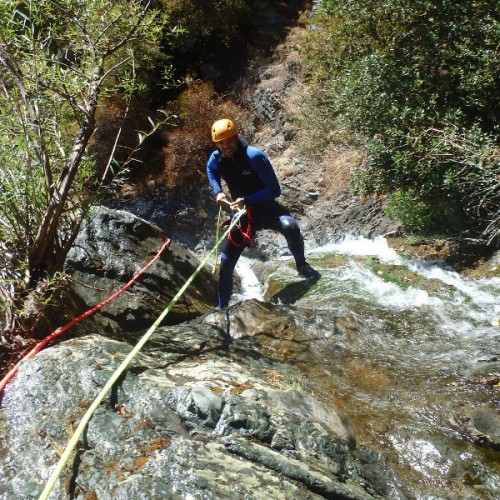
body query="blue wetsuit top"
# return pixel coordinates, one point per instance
(249, 174)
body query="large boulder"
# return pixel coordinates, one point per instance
(195, 415)
(110, 249)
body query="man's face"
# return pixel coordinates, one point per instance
(228, 146)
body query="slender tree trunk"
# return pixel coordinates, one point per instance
(47, 231)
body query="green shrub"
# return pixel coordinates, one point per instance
(409, 210)
(419, 81)
(422, 216)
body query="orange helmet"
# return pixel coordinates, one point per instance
(223, 129)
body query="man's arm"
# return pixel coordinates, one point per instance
(215, 180)
(262, 166)
(213, 174)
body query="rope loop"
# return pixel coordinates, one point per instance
(246, 234)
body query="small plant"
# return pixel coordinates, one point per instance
(405, 207)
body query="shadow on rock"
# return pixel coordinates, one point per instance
(294, 291)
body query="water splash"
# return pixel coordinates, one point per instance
(459, 298)
(360, 246)
(481, 293)
(479, 297)
(251, 287)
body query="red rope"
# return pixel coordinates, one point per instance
(73, 322)
(246, 234)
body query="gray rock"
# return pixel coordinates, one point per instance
(111, 248)
(188, 418)
(481, 425)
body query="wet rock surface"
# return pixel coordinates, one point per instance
(301, 396)
(193, 416)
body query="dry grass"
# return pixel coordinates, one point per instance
(337, 166)
(189, 145)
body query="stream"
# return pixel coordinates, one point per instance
(418, 367)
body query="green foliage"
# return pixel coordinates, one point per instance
(410, 211)
(59, 62)
(420, 81)
(439, 216)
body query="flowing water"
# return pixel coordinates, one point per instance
(418, 369)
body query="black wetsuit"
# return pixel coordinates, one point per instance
(250, 175)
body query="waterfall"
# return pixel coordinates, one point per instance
(250, 287)
(411, 350)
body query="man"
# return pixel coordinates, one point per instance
(252, 184)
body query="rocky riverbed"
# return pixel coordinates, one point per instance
(379, 381)
(313, 393)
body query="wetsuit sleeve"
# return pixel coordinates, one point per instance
(262, 166)
(213, 173)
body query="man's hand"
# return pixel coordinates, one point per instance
(237, 204)
(222, 200)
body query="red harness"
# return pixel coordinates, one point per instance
(246, 234)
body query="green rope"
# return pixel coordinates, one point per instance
(116, 375)
(219, 217)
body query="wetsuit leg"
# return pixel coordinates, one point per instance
(289, 228)
(228, 258)
(276, 217)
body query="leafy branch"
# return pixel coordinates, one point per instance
(59, 62)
